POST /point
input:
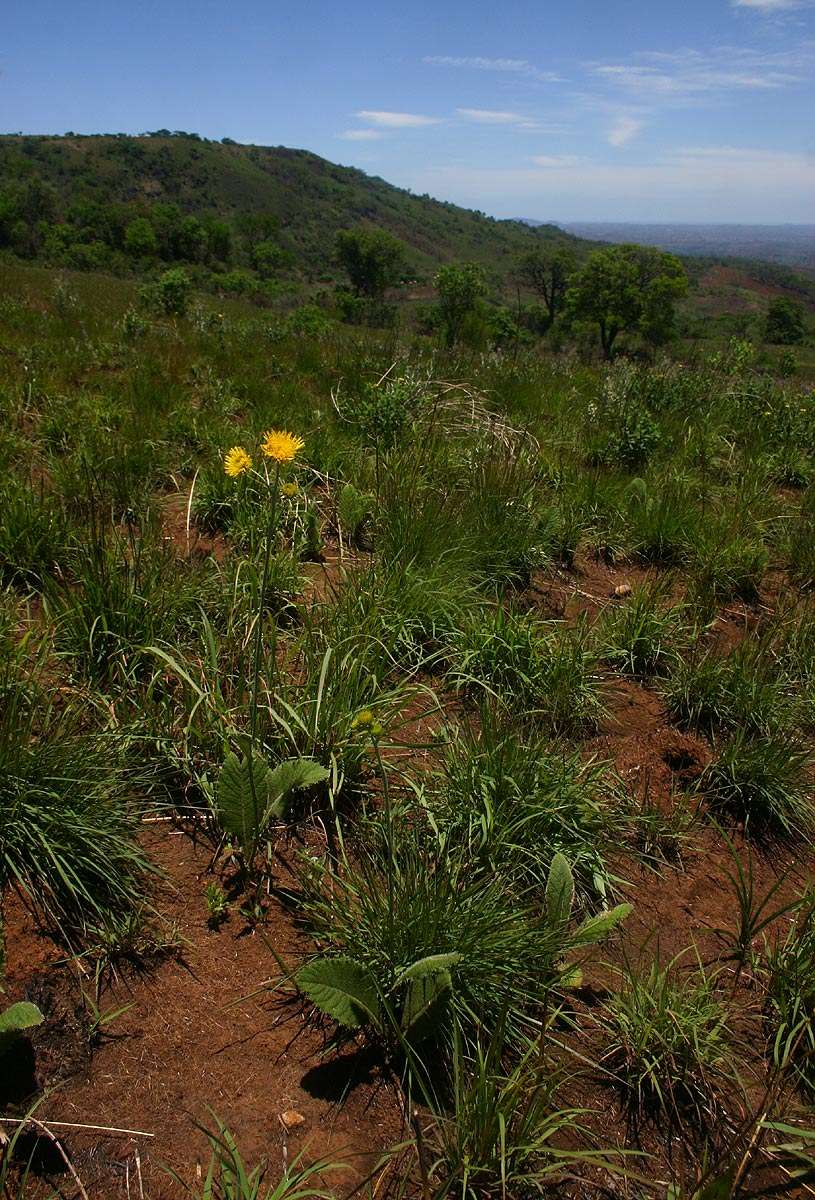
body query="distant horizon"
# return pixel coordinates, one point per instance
(689, 224)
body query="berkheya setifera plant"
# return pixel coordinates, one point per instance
(250, 793)
(414, 1004)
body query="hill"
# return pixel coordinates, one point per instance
(98, 185)
(262, 220)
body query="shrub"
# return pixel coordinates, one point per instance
(784, 325)
(372, 312)
(380, 413)
(633, 434)
(354, 509)
(169, 295)
(461, 288)
(309, 321)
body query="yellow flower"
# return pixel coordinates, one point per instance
(366, 720)
(290, 490)
(281, 445)
(237, 462)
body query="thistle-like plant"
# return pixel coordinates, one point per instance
(250, 794)
(415, 1000)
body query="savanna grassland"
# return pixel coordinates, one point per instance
(406, 758)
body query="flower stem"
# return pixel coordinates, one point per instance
(267, 557)
(253, 702)
(389, 841)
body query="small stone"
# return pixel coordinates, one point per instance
(291, 1117)
(621, 590)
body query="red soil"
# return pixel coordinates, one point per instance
(186, 1045)
(189, 1043)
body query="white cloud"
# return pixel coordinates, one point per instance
(769, 6)
(396, 120)
(517, 66)
(726, 159)
(686, 75)
(624, 130)
(478, 63)
(556, 161)
(510, 120)
(489, 116)
(361, 135)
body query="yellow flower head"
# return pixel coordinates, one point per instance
(237, 462)
(290, 490)
(367, 721)
(281, 445)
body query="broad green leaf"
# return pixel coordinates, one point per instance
(288, 777)
(559, 890)
(16, 1019)
(237, 811)
(341, 988)
(235, 805)
(600, 926)
(430, 965)
(427, 999)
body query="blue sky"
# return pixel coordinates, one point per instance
(699, 110)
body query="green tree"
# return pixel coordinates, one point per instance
(169, 295)
(140, 238)
(784, 325)
(461, 288)
(9, 216)
(267, 258)
(167, 220)
(26, 212)
(547, 270)
(628, 289)
(372, 259)
(37, 200)
(190, 240)
(219, 239)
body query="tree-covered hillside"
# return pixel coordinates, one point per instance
(114, 201)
